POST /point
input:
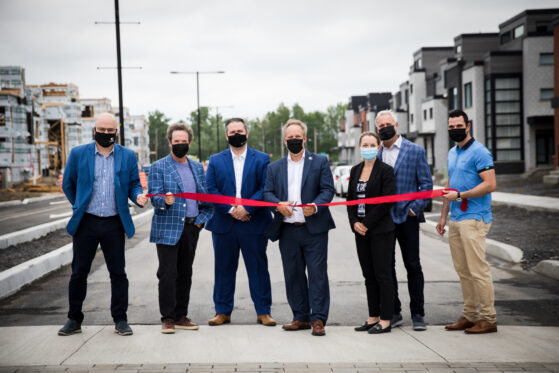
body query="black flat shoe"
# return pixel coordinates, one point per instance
(365, 327)
(378, 329)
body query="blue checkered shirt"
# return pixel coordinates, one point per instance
(103, 201)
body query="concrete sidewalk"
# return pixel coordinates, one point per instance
(237, 344)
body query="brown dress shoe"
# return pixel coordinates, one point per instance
(482, 327)
(266, 320)
(318, 328)
(297, 325)
(462, 324)
(185, 324)
(219, 319)
(168, 326)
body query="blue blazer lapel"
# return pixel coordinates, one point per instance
(91, 162)
(174, 172)
(283, 177)
(247, 167)
(379, 156)
(230, 168)
(306, 167)
(118, 161)
(402, 154)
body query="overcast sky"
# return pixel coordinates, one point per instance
(315, 53)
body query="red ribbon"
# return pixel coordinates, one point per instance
(228, 200)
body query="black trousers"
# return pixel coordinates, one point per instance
(375, 253)
(407, 235)
(108, 232)
(175, 273)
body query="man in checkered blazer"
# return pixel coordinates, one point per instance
(176, 225)
(412, 174)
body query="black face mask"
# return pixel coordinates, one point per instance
(105, 139)
(180, 150)
(386, 133)
(237, 140)
(295, 145)
(457, 134)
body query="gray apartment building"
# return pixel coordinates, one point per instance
(502, 80)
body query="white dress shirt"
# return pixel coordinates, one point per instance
(389, 156)
(294, 181)
(238, 165)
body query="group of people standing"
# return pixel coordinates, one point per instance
(101, 176)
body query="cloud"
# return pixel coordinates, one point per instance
(316, 53)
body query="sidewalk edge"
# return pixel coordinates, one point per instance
(13, 279)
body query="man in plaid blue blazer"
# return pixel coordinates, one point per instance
(176, 225)
(412, 174)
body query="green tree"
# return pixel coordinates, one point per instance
(158, 144)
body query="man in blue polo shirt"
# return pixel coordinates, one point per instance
(471, 173)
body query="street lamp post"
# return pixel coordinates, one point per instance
(198, 101)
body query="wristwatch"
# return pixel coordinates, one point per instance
(458, 198)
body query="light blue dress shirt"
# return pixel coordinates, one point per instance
(103, 201)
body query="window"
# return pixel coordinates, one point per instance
(543, 26)
(425, 114)
(411, 89)
(518, 32)
(2, 115)
(546, 58)
(406, 96)
(136, 141)
(411, 118)
(505, 38)
(468, 95)
(418, 64)
(430, 113)
(459, 48)
(504, 118)
(453, 98)
(546, 93)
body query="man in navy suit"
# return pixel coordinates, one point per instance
(302, 178)
(412, 174)
(239, 171)
(99, 178)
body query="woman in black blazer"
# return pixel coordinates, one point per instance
(374, 232)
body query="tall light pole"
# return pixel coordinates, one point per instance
(217, 121)
(198, 101)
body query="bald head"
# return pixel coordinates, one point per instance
(105, 120)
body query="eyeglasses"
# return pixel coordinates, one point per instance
(105, 130)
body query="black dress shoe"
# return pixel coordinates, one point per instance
(365, 327)
(71, 327)
(378, 329)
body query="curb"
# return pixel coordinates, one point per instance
(549, 268)
(494, 248)
(29, 200)
(13, 279)
(31, 233)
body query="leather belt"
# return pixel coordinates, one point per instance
(189, 220)
(297, 224)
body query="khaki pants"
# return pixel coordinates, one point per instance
(467, 246)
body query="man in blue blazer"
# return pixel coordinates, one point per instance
(302, 178)
(176, 225)
(99, 178)
(239, 171)
(412, 174)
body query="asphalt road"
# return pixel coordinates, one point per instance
(522, 297)
(18, 217)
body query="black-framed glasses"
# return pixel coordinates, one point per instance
(105, 130)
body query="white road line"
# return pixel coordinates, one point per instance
(63, 215)
(58, 202)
